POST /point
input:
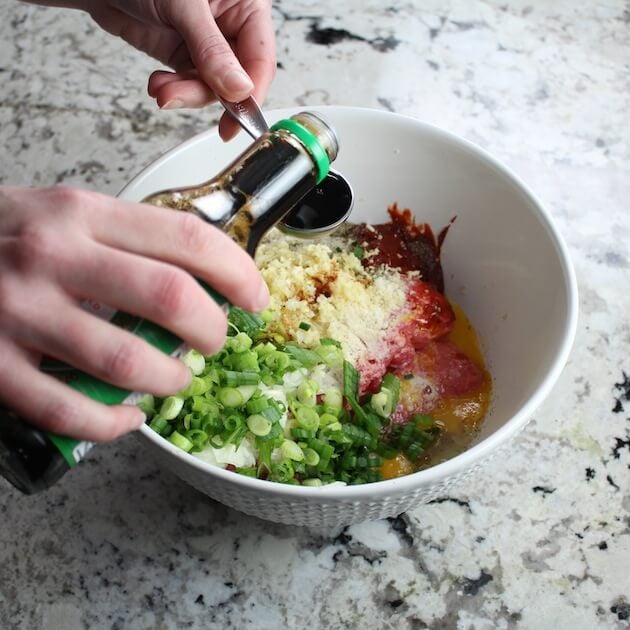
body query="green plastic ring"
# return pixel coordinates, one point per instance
(310, 141)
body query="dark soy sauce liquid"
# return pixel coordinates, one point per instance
(323, 207)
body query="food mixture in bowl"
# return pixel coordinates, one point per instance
(359, 370)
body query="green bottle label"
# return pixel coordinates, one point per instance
(74, 450)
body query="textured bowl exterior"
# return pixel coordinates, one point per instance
(504, 263)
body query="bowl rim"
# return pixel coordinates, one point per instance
(471, 456)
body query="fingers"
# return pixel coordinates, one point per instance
(173, 90)
(181, 89)
(210, 52)
(184, 240)
(53, 406)
(71, 335)
(159, 292)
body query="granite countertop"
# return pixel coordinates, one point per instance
(542, 539)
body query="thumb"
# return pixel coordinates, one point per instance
(210, 52)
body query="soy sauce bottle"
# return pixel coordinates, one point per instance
(245, 200)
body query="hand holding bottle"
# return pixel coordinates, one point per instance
(60, 245)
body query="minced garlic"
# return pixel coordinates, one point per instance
(323, 284)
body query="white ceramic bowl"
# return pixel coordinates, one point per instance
(504, 263)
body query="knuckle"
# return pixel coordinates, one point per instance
(65, 198)
(171, 295)
(124, 362)
(192, 233)
(211, 47)
(34, 247)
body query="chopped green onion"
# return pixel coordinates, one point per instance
(331, 355)
(349, 461)
(158, 424)
(314, 482)
(194, 361)
(230, 397)
(327, 419)
(263, 349)
(302, 434)
(307, 418)
(234, 379)
(271, 413)
(197, 387)
(423, 422)
(171, 407)
(256, 405)
(246, 391)
(333, 399)
(180, 441)
(282, 471)
(307, 393)
(332, 427)
(292, 451)
(259, 425)
(248, 471)
(358, 251)
(327, 341)
(304, 326)
(350, 381)
(277, 361)
(381, 403)
(198, 437)
(244, 321)
(267, 315)
(392, 384)
(146, 404)
(305, 357)
(239, 342)
(245, 361)
(311, 457)
(414, 450)
(273, 436)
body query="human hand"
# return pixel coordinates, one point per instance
(61, 245)
(225, 47)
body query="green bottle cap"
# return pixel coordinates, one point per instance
(310, 142)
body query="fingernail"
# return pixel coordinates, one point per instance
(262, 299)
(237, 81)
(176, 103)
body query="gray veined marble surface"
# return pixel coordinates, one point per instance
(543, 539)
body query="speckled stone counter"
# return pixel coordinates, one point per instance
(542, 539)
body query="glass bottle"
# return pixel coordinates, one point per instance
(245, 200)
